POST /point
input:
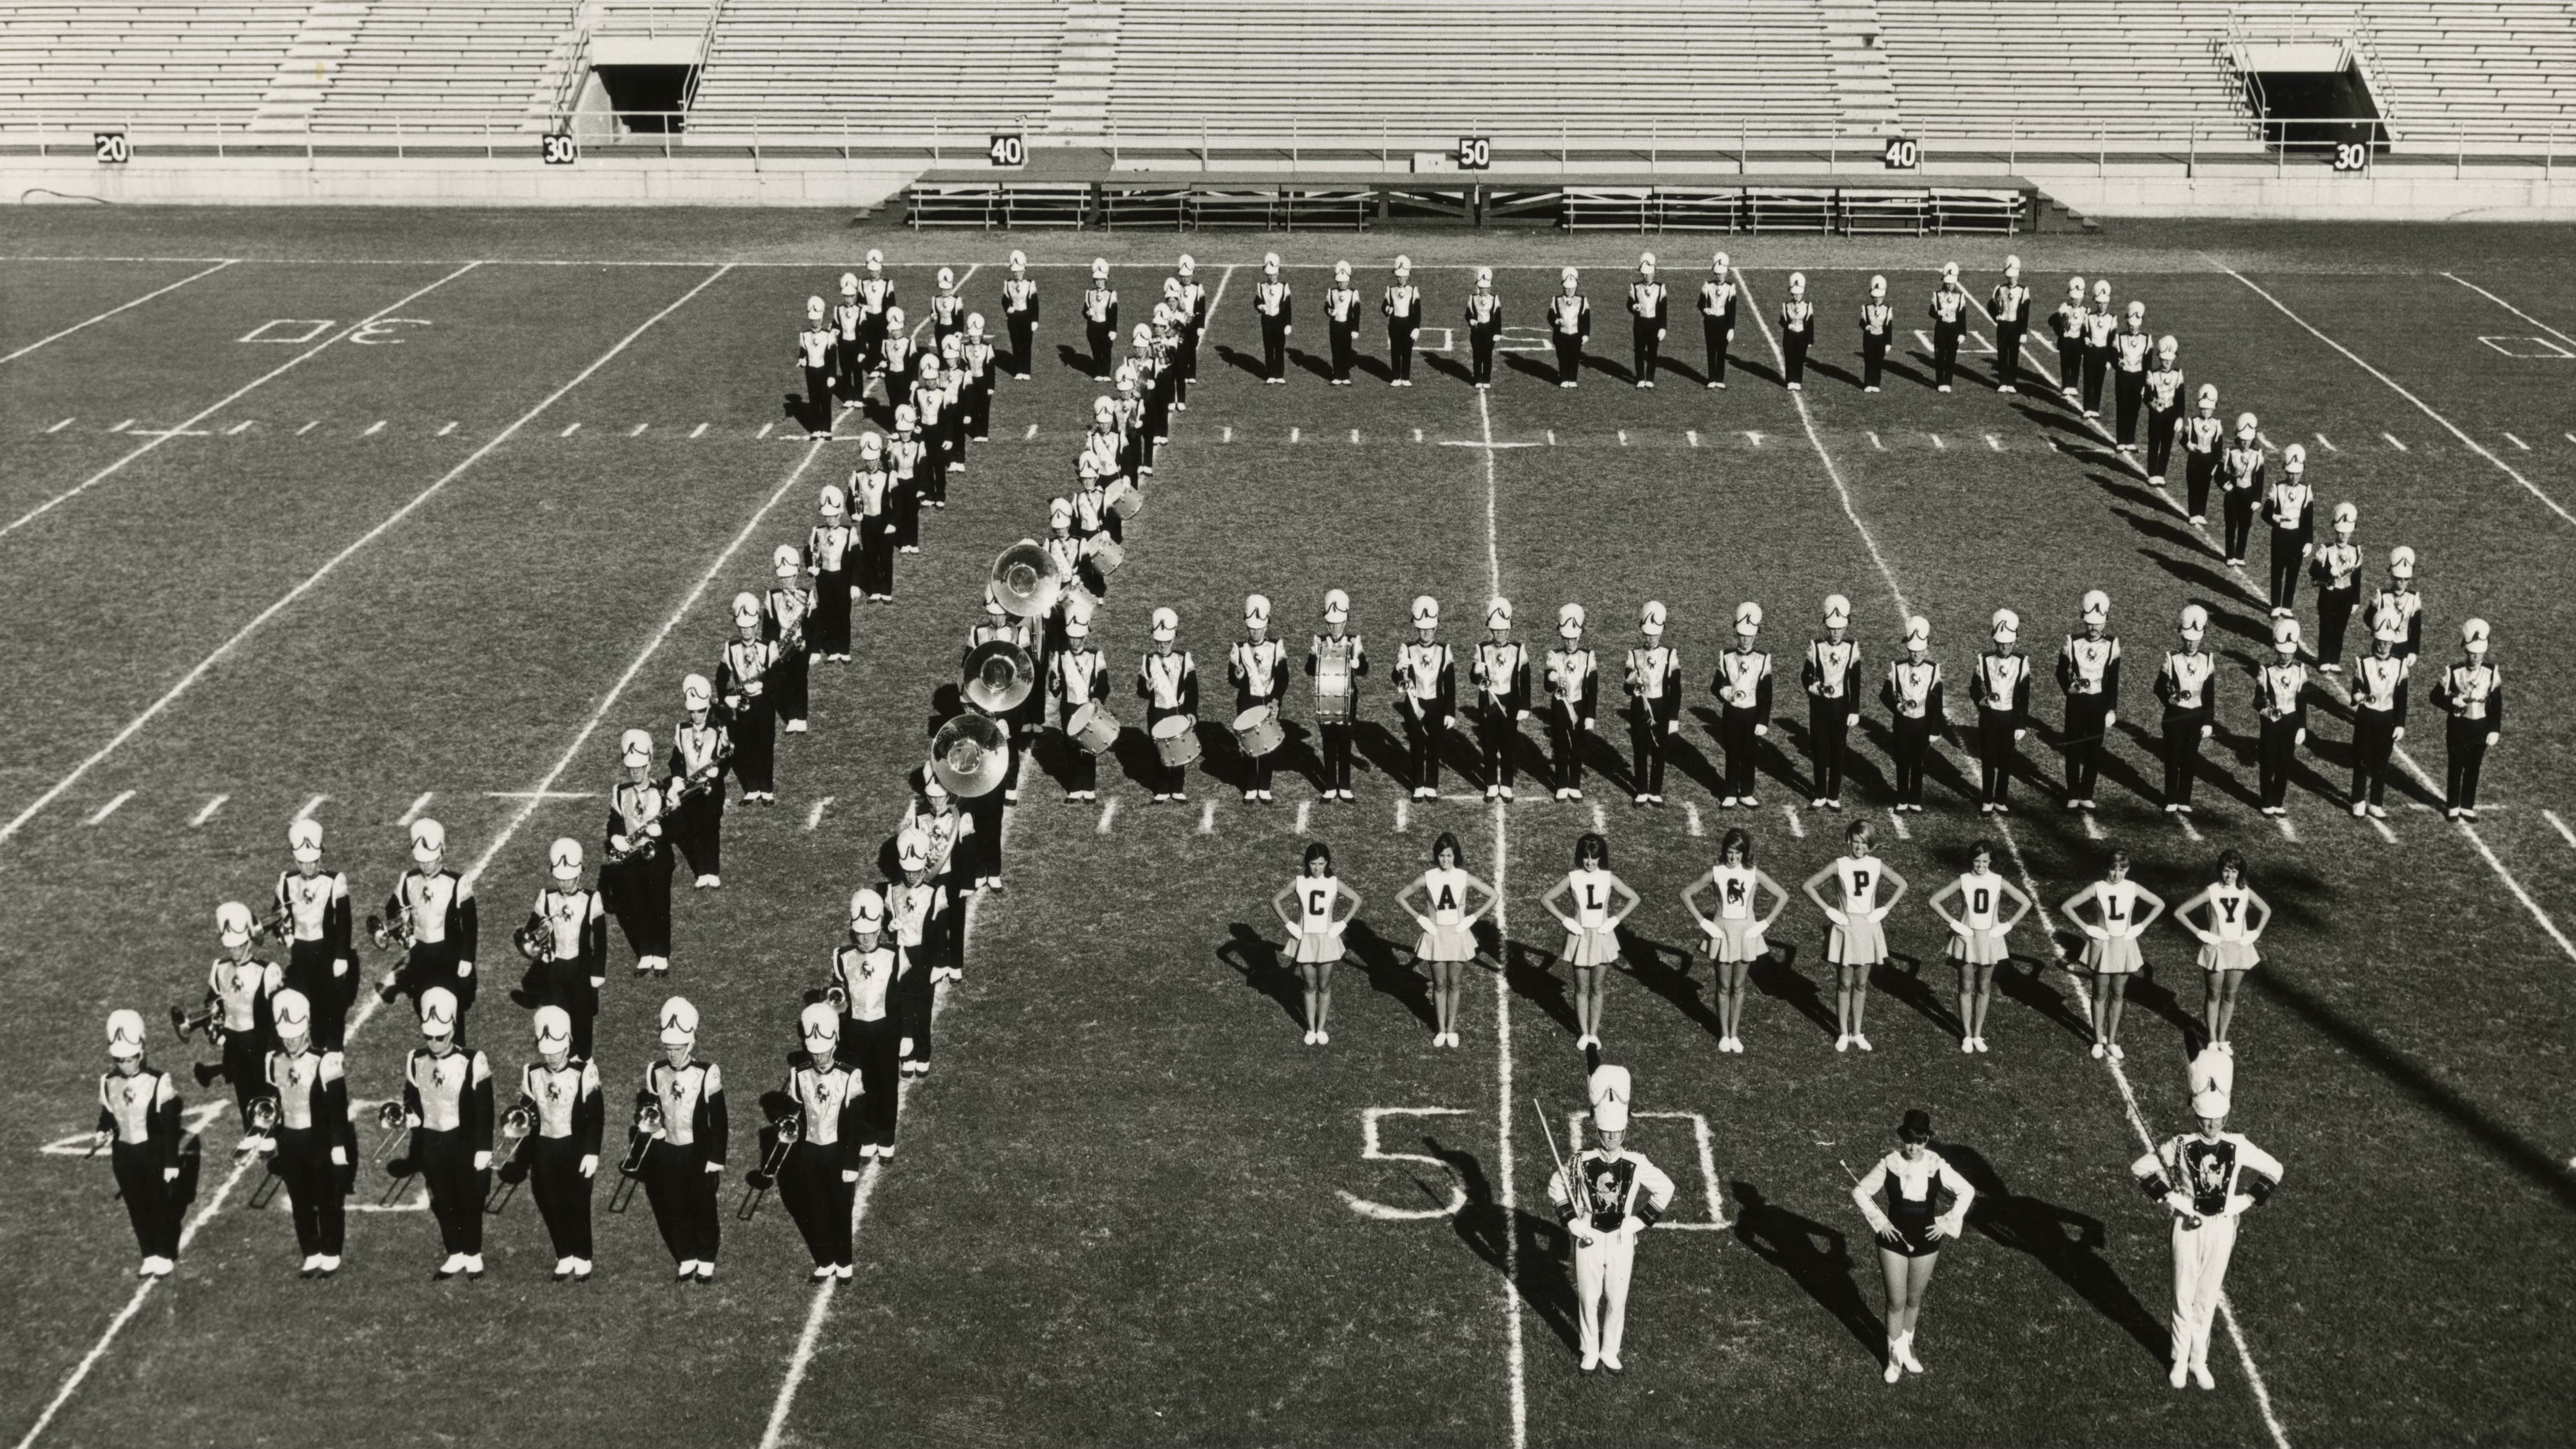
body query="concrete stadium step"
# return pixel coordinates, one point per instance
(1086, 65)
(311, 63)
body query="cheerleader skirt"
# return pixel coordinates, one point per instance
(1979, 948)
(1315, 948)
(1858, 942)
(2117, 956)
(1598, 946)
(1452, 942)
(1736, 940)
(2229, 956)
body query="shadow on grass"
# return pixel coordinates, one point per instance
(1665, 971)
(2065, 1242)
(1776, 976)
(1390, 970)
(1546, 1278)
(1816, 1258)
(1525, 971)
(2023, 980)
(1901, 977)
(1258, 961)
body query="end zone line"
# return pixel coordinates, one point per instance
(2119, 1076)
(174, 286)
(314, 579)
(2472, 444)
(1516, 1356)
(290, 364)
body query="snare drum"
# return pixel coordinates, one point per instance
(1125, 499)
(1092, 728)
(1103, 554)
(1176, 740)
(1257, 731)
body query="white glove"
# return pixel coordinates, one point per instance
(849, 1174)
(105, 1138)
(904, 1049)
(339, 1157)
(169, 1174)
(2207, 730)
(2238, 1204)
(2018, 735)
(1760, 730)
(2493, 736)
(2398, 733)
(464, 968)
(2299, 736)
(482, 1161)
(340, 965)
(2110, 717)
(715, 1167)
(590, 1164)
(2179, 1202)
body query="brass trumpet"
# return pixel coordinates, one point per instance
(208, 1019)
(277, 927)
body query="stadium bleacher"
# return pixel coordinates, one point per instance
(2478, 70)
(1990, 72)
(140, 62)
(451, 66)
(894, 66)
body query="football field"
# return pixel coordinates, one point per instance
(371, 516)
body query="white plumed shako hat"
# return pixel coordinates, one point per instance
(679, 1022)
(124, 1033)
(304, 838)
(428, 840)
(552, 1029)
(438, 1012)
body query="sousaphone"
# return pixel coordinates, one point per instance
(970, 755)
(999, 676)
(1027, 579)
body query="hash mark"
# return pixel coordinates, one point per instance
(451, 427)
(1355, 435)
(1690, 813)
(2393, 442)
(1936, 442)
(1756, 437)
(239, 428)
(1693, 435)
(1995, 443)
(1899, 821)
(1600, 823)
(1108, 812)
(1623, 437)
(2327, 443)
(1875, 443)
(2092, 829)
(1403, 815)
(1797, 825)
(65, 423)
(121, 427)
(1305, 808)
(1031, 434)
(2560, 826)
(814, 816)
(1417, 435)
(310, 806)
(2185, 822)
(1292, 435)
(764, 431)
(317, 422)
(208, 813)
(637, 431)
(1207, 818)
(569, 430)
(699, 431)
(2288, 831)
(376, 427)
(109, 808)
(1228, 438)
(2384, 832)
(1551, 437)
(2517, 442)
(412, 812)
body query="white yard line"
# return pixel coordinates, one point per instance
(108, 809)
(208, 812)
(112, 469)
(128, 307)
(2560, 826)
(313, 580)
(1515, 1353)
(419, 803)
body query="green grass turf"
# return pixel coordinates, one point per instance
(1119, 1216)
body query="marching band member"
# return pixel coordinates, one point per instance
(2472, 693)
(701, 750)
(635, 863)
(819, 1181)
(2088, 670)
(785, 614)
(1877, 321)
(2111, 951)
(1829, 675)
(2164, 383)
(905, 454)
(2069, 324)
(1569, 319)
(2240, 487)
(1426, 696)
(864, 970)
(877, 314)
(1100, 318)
(2009, 306)
(138, 1122)
(447, 1104)
(2003, 714)
(1601, 904)
(1911, 1228)
(1977, 933)
(1717, 318)
(1949, 314)
(947, 309)
(319, 961)
(937, 428)
(932, 815)
(1167, 679)
(1574, 701)
(570, 927)
(849, 370)
(238, 991)
(2130, 349)
(2336, 567)
(1448, 916)
(1502, 676)
(2289, 506)
(2236, 918)
(976, 354)
(814, 348)
(917, 915)
(1075, 674)
(1020, 309)
(1738, 932)
(2101, 324)
(2208, 1180)
(685, 1164)
(1797, 330)
(1484, 328)
(742, 682)
(895, 362)
(1653, 681)
(2204, 440)
(1743, 690)
(871, 498)
(998, 627)
(1858, 941)
(1258, 666)
(2191, 709)
(1402, 305)
(1194, 321)
(1151, 383)
(1316, 930)
(1066, 550)
(828, 549)
(562, 1095)
(2378, 711)
(1605, 1197)
(439, 904)
(2399, 596)
(1336, 660)
(1646, 298)
(1914, 692)
(2281, 702)
(1272, 300)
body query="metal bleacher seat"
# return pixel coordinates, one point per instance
(1993, 72)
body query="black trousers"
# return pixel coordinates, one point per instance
(152, 1205)
(1998, 755)
(683, 1195)
(2277, 753)
(2464, 744)
(1645, 347)
(849, 367)
(1274, 347)
(1081, 766)
(2182, 751)
(818, 399)
(1569, 357)
(1565, 747)
(1424, 740)
(873, 1045)
(2289, 556)
(562, 1194)
(2162, 423)
(1945, 350)
(1648, 737)
(1719, 334)
(791, 685)
(698, 830)
(2199, 470)
(2097, 370)
(1498, 739)
(910, 999)
(1024, 341)
(1400, 332)
(308, 970)
(1735, 732)
(1828, 731)
(1102, 338)
(2008, 337)
(1873, 357)
(979, 855)
(1913, 742)
(2373, 741)
(434, 963)
(2070, 363)
(1337, 754)
(241, 1063)
(639, 892)
(876, 556)
(754, 728)
(1167, 779)
(2238, 506)
(1794, 344)
(1345, 347)
(2083, 743)
(829, 630)
(2334, 616)
(456, 1188)
(2129, 397)
(810, 1188)
(1191, 332)
(1480, 348)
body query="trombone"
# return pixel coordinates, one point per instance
(389, 1120)
(785, 1133)
(517, 1126)
(648, 1128)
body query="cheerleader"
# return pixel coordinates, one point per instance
(1858, 941)
(1316, 930)
(871, 501)
(828, 546)
(1797, 329)
(1977, 932)
(1911, 1227)
(742, 682)
(1736, 936)
(1592, 931)
(1448, 921)
(785, 614)
(2236, 920)
(2125, 910)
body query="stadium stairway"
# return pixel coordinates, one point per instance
(1085, 65)
(305, 73)
(1861, 78)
